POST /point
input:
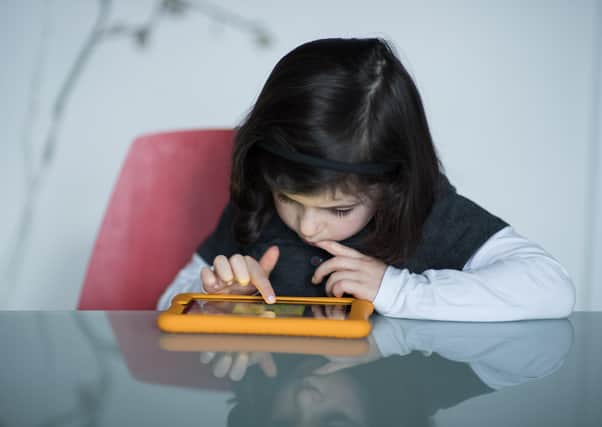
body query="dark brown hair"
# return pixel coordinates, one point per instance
(348, 100)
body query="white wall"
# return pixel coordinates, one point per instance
(510, 92)
(593, 295)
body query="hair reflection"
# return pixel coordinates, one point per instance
(420, 368)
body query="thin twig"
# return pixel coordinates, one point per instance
(101, 30)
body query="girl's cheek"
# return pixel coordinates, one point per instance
(287, 214)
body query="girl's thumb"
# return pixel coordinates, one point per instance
(269, 259)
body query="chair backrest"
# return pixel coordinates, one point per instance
(169, 195)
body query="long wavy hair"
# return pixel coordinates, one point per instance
(349, 100)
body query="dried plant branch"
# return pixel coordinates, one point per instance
(101, 30)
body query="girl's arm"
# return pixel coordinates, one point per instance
(187, 280)
(501, 354)
(508, 278)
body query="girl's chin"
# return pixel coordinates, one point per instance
(309, 242)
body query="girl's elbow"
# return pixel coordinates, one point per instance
(560, 300)
(553, 290)
(568, 298)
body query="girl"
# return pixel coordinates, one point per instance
(336, 189)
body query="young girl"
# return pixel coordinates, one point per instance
(336, 189)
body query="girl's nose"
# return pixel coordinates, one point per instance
(308, 225)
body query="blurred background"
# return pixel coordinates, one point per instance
(512, 90)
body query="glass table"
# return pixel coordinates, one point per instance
(116, 368)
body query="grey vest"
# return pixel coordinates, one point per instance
(454, 230)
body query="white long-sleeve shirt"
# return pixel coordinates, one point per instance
(507, 278)
(500, 354)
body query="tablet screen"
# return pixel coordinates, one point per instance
(234, 308)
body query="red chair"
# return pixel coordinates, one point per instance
(167, 199)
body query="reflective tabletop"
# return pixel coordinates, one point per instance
(116, 368)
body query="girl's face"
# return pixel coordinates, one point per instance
(325, 216)
(325, 400)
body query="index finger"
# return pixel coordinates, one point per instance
(268, 366)
(260, 281)
(337, 249)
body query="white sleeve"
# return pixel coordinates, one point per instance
(501, 353)
(508, 278)
(188, 279)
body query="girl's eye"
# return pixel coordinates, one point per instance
(338, 212)
(341, 212)
(284, 199)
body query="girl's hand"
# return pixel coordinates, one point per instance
(352, 272)
(233, 276)
(235, 365)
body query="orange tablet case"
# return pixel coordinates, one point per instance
(222, 343)
(356, 325)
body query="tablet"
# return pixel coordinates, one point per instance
(243, 314)
(236, 343)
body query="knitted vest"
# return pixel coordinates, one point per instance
(453, 231)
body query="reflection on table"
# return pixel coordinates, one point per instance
(75, 368)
